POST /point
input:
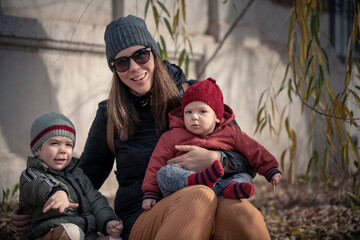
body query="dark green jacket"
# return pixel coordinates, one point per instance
(39, 182)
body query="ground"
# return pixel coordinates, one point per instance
(307, 211)
(297, 211)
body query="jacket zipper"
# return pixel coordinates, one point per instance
(80, 208)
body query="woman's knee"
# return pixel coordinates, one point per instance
(202, 194)
(197, 201)
(196, 213)
(239, 217)
(188, 214)
(233, 207)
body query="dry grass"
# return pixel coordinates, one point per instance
(308, 211)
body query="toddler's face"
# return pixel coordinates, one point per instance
(200, 118)
(56, 152)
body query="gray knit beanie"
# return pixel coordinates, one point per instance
(126, 32)
(49, 125)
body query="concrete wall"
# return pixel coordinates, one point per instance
(52, 59)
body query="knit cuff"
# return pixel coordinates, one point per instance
(152, 195)
(271, 172)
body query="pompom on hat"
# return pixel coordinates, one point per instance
(206, 91)
(126, 32)
(49, 125)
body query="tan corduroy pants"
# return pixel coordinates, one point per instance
(239, 219)
(195, 213)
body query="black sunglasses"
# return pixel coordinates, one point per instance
(141, 56)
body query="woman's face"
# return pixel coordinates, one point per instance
(139, 77)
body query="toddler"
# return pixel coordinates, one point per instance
(61, 200)
(204, 120)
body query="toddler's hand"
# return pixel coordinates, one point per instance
(114, 228)
(275, 180)
(148, 204)
(59, 200)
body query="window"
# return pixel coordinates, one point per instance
(341, 22)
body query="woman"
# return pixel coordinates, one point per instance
(143, 91)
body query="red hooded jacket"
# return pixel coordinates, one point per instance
(225, 137)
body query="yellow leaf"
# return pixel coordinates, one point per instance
(281, 121)
(340, 109)
(282, 159)
(291, 34)
(183, 7)
(318, 51)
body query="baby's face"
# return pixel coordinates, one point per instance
(56, 152)
(200, 118)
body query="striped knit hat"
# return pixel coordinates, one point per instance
(49, 125)
(206, 91)
(126, 32)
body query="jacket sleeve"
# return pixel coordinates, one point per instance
(237, 161)
(163, 151)
(36, 188)
(239, 164)
(100, 206)
(97, 160)
(259, 158)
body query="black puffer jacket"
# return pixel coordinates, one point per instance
(132, 156)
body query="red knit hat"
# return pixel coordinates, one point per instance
(206, 91)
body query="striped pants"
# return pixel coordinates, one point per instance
(195, 213)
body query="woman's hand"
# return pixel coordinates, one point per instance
(196, 158)
(20, 221)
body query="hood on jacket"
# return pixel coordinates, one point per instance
(176, 117)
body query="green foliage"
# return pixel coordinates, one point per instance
(175, 23)
(307, 78)
(8, 199)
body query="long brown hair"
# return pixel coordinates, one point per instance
(121, 109)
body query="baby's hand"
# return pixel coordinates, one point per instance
(59, 200)
(275, 180)
(114, 228)
(148, 204)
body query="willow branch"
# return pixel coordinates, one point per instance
(322, 113)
